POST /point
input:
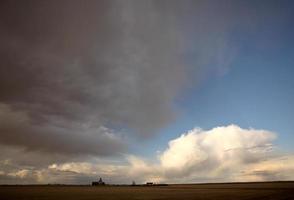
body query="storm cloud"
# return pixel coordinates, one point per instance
(74, 74)
(72, 67)
(90, 59)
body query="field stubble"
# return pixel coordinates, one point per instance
(237, 191)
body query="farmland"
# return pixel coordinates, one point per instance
(239, 191)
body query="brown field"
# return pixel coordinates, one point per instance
(234, 191)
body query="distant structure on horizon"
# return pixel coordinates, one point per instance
(98, 183)
(149, 183)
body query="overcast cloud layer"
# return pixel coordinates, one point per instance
(76, 76)
(70, 68)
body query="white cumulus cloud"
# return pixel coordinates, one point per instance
(221, 154)
(215, 152)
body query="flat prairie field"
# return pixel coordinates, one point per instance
(226, 191)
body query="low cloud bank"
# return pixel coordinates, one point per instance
(227, 153)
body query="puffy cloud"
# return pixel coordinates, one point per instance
(227, 153)
(219, 144)
(216, 152)
(182, 152)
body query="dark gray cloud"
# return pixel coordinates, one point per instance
(76, 138)
(69, 69)
(70, 64)
(88, 58)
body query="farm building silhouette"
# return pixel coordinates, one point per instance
(98, 183)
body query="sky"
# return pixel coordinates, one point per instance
(162, 91)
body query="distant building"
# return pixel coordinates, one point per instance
(149, 183)
(98, 183)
